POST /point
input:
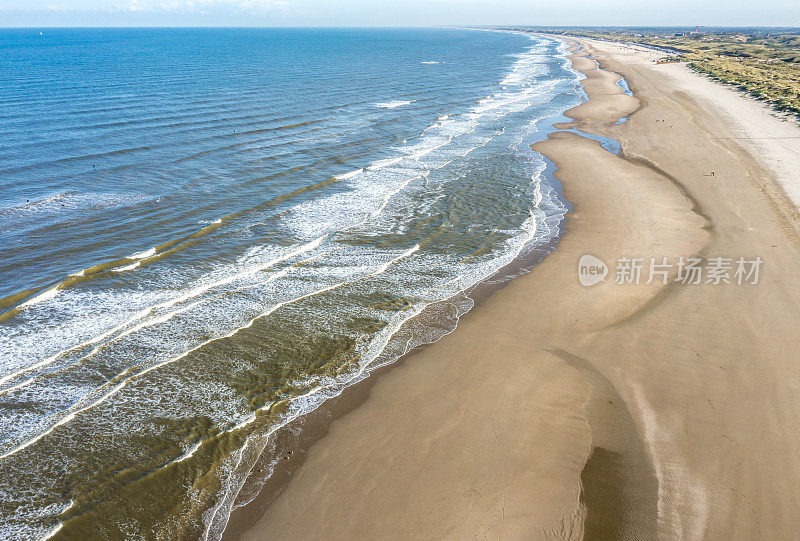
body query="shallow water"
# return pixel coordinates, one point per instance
(208, 232)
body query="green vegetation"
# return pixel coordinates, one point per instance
(763, 62)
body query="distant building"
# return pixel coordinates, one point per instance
(694, 32)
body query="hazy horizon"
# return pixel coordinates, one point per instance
(393, 13)
(389, 27)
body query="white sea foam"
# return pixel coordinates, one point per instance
(46, 295)
(384, 163)
(393, 104)
(345, 176)
(145, 254)
(52, 533)
(126, 268)
(189, 452)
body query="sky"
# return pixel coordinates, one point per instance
(47, 13)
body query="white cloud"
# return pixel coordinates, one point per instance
(202, 5)
(155, 6)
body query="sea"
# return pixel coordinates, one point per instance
(206, 233)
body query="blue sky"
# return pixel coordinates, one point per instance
(396, 12)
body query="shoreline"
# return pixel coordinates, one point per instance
(593, 384)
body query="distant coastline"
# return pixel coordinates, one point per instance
(761, 62)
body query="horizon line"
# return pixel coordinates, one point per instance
(517, 25)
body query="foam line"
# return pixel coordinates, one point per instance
(393, 104)
(43, 296)
(142, 255)
(52, 532)
(350, 174)
(189, 452)
(57, 528)
(127, 267)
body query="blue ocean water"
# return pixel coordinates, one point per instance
(207, 232)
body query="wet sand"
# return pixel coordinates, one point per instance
(614, 411)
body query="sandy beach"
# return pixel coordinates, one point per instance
(560, 411)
